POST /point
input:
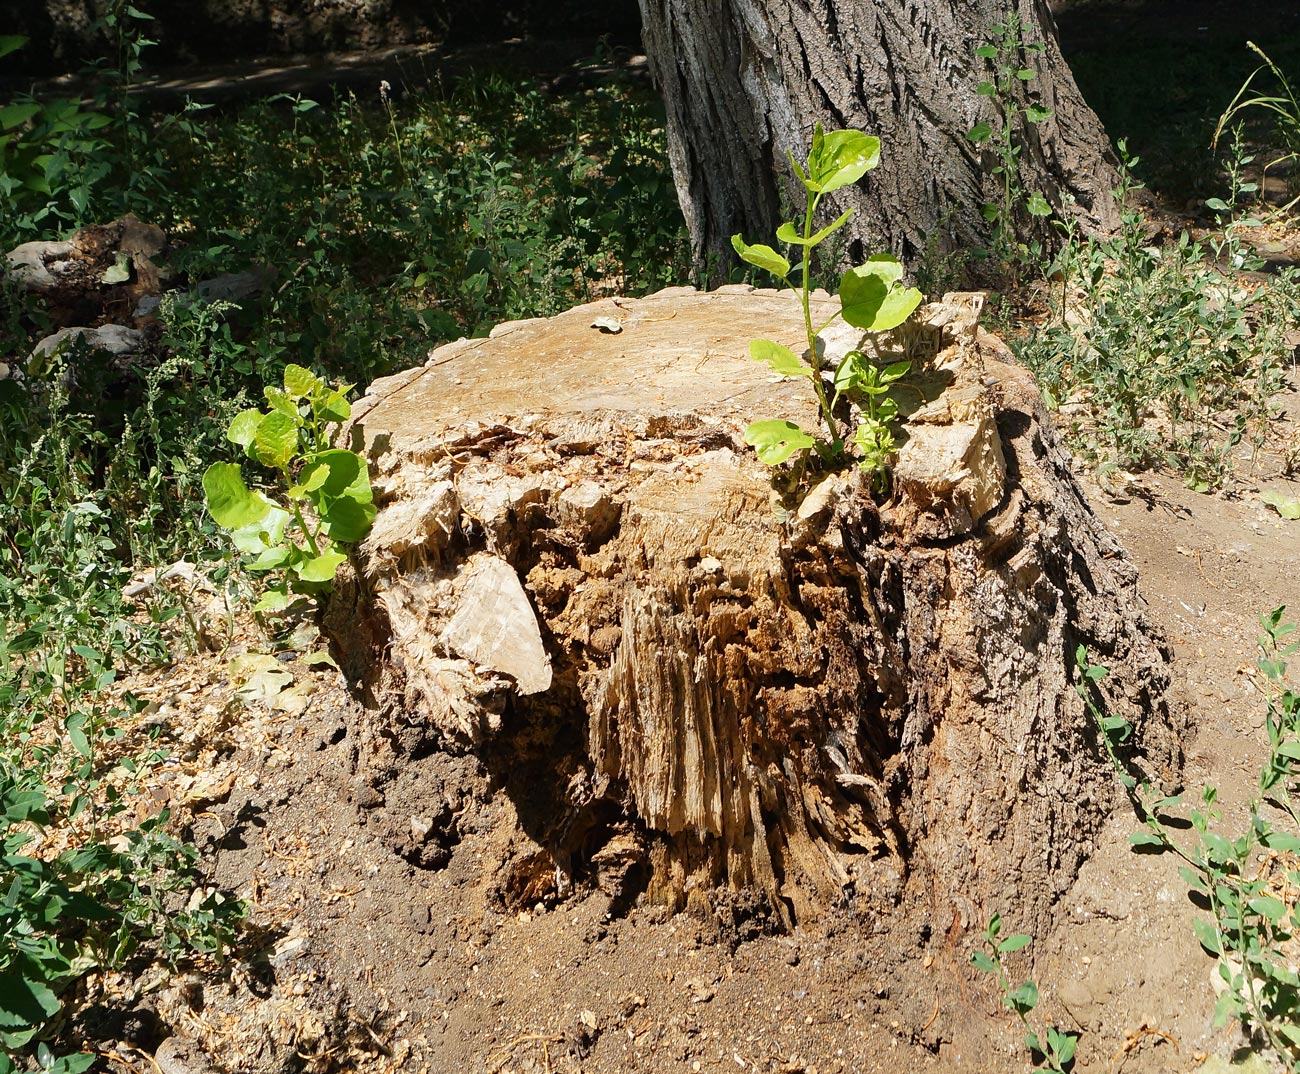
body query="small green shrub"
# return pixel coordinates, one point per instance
(327, 502)
(1054, 1047)
(1004, 138)
(871, 298)
(1157, 355)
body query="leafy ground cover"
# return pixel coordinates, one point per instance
(389, 226)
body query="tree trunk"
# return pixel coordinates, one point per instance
(744, 82)
(691, 694)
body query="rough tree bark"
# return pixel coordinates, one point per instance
(687, 691)
(744, 81)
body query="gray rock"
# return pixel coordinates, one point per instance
(116, 339)
(38, 265)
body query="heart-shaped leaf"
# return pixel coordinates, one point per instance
(321, 568)
(840, 158)
(780, 358)
(230, 502)
(775, 441)
(869, 299)
(274, 600)
(243, 427)
(345, 520)
(275, 440)
(266, 532)
(1038, 205)
(301, 383)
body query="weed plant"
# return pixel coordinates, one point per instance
(1281, 106)
(1165, 355)
(872, 299)
(1004, 55)
(1246, 881)
(1052, 1048)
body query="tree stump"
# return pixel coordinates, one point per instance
(697, 694)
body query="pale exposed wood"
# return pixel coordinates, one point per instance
(845, 704)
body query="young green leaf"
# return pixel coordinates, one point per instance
(243, 428)
(347, 520)
(1014, 943)
(276, 440)
(11, 43)
(1037, 205)
(774, 441)
(870, 302)
(334, 406)
(271, 558)
(274, 600)
(851, 371)
(263, 533)
(840, 159)
(345, 477)
(230, 502)
(1269, 907)
(1145, 839)
(1207, 936)
(1023, 999)
(761, 256)
(323, 567)
(782, 359)
(280, 401)
(982, 961)
(787, 232)
(301, 383)
(1063, 1045)
(26, 1004)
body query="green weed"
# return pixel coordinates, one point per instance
(1158, 355)
(328, 503)
(1245, 881)
(871, 298)
(1053, 1047)
(1281, 106)
(1004, 138)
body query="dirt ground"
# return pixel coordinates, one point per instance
(382, 940)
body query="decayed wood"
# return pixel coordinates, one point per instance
(744, 81)
(698, 691)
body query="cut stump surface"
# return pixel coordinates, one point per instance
(582, 576)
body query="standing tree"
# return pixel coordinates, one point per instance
(744, 82)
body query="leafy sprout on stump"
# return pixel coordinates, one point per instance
(872, 298)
